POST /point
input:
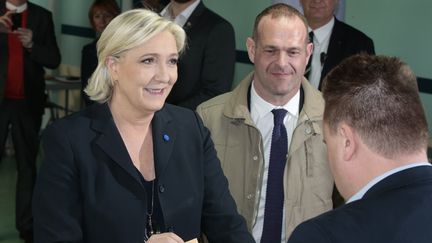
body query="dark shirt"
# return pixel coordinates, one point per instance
(153, 207)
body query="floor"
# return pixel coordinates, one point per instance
(8, 233)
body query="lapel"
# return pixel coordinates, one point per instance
(32, 16)
(195, 17)
(333, 50)
(409, 177)
(110, 141)
(164, 138)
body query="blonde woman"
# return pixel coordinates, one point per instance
(132, 168)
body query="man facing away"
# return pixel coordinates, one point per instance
(377, 135)
(333, 39)
(27, 46)
(274, 190)
(206, 68)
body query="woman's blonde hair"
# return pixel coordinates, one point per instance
(125, 32)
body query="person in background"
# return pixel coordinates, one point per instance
(278, 173)
(154, 5)
(27, 46)
(206, 69)
(132, 168)
(333, 40)
(101, 12)
(377, 136)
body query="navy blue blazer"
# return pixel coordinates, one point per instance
(88, 190)
(397, 209)
(206, 68)
(345, 41)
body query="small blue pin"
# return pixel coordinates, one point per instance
(166, 137)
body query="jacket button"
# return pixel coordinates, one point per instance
(308, 130)
(255, 157)
(161, 188)
(249, 196)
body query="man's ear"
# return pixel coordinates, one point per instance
(309, 51)
(112, 65)
(349, 139)
(250, 45)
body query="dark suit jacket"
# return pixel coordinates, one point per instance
(45, 53)
(345, 41)
(88, 190)
(397, 209)
(206, 68)
(89, 63)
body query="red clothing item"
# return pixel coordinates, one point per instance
(15, 72)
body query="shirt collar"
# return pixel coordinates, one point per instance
(17, 9)
(263, 107)
(362, 192)
(324, 31)
(182, 18)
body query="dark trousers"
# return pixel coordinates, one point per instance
(25, 126)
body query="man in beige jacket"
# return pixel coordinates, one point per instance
(241, 123)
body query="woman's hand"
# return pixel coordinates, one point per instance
(165, 238)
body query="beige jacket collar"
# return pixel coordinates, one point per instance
(237, 107)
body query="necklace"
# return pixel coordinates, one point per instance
(149, 228)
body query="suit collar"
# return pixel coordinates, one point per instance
(110, 141)
(186, 13)
(337, 38)
(32, 17)
(337, 33)
(195, 17)
(324, 32)
(198, 11)
(411, 176)
(335, 43)
(187, 17)
(164, 137)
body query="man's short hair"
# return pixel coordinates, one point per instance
(276, 11)
(377, 96)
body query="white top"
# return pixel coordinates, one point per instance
(17, 9)
(321, 42)
(361, 192)
(263, 119)
(183, 16)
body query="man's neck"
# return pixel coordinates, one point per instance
(176, 8)
(374, 165)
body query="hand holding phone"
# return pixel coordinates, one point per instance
(16, 21)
